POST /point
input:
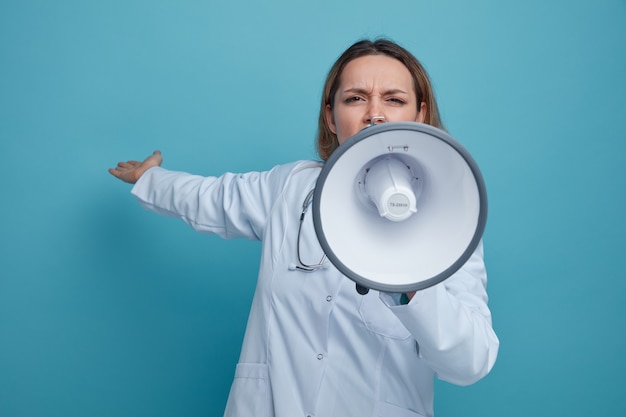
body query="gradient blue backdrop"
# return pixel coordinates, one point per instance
(107, 310)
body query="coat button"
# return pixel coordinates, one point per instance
(329, 298)
(320, 357)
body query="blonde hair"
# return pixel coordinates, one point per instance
(326, 140)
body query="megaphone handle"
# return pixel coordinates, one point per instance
(361, 289)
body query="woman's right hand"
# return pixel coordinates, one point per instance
(131, 171)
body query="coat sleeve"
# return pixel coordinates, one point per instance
(231, 205)
(451, 323)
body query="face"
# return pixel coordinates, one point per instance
(369, 86)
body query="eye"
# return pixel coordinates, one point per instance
(396, 100)
(353, 99)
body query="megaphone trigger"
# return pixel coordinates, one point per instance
(361, 289)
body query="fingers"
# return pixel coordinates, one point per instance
(128, 164)
(130, 171)
(120, 173)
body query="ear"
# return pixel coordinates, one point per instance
(330, 119)
(421, 115)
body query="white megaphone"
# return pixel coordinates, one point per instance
(399, 207)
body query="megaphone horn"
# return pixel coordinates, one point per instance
(399, 207)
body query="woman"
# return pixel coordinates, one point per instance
(313, 346)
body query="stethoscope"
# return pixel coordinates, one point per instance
(301, 266)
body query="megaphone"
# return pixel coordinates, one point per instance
(399, 207)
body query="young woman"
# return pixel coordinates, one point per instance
(314, 346)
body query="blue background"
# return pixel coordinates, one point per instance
(107, 310)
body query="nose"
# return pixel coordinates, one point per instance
(374, 112)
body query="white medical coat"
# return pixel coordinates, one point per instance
(313, 346)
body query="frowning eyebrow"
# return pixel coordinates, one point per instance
(358, 90)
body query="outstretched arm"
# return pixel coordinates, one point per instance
(131, 171)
